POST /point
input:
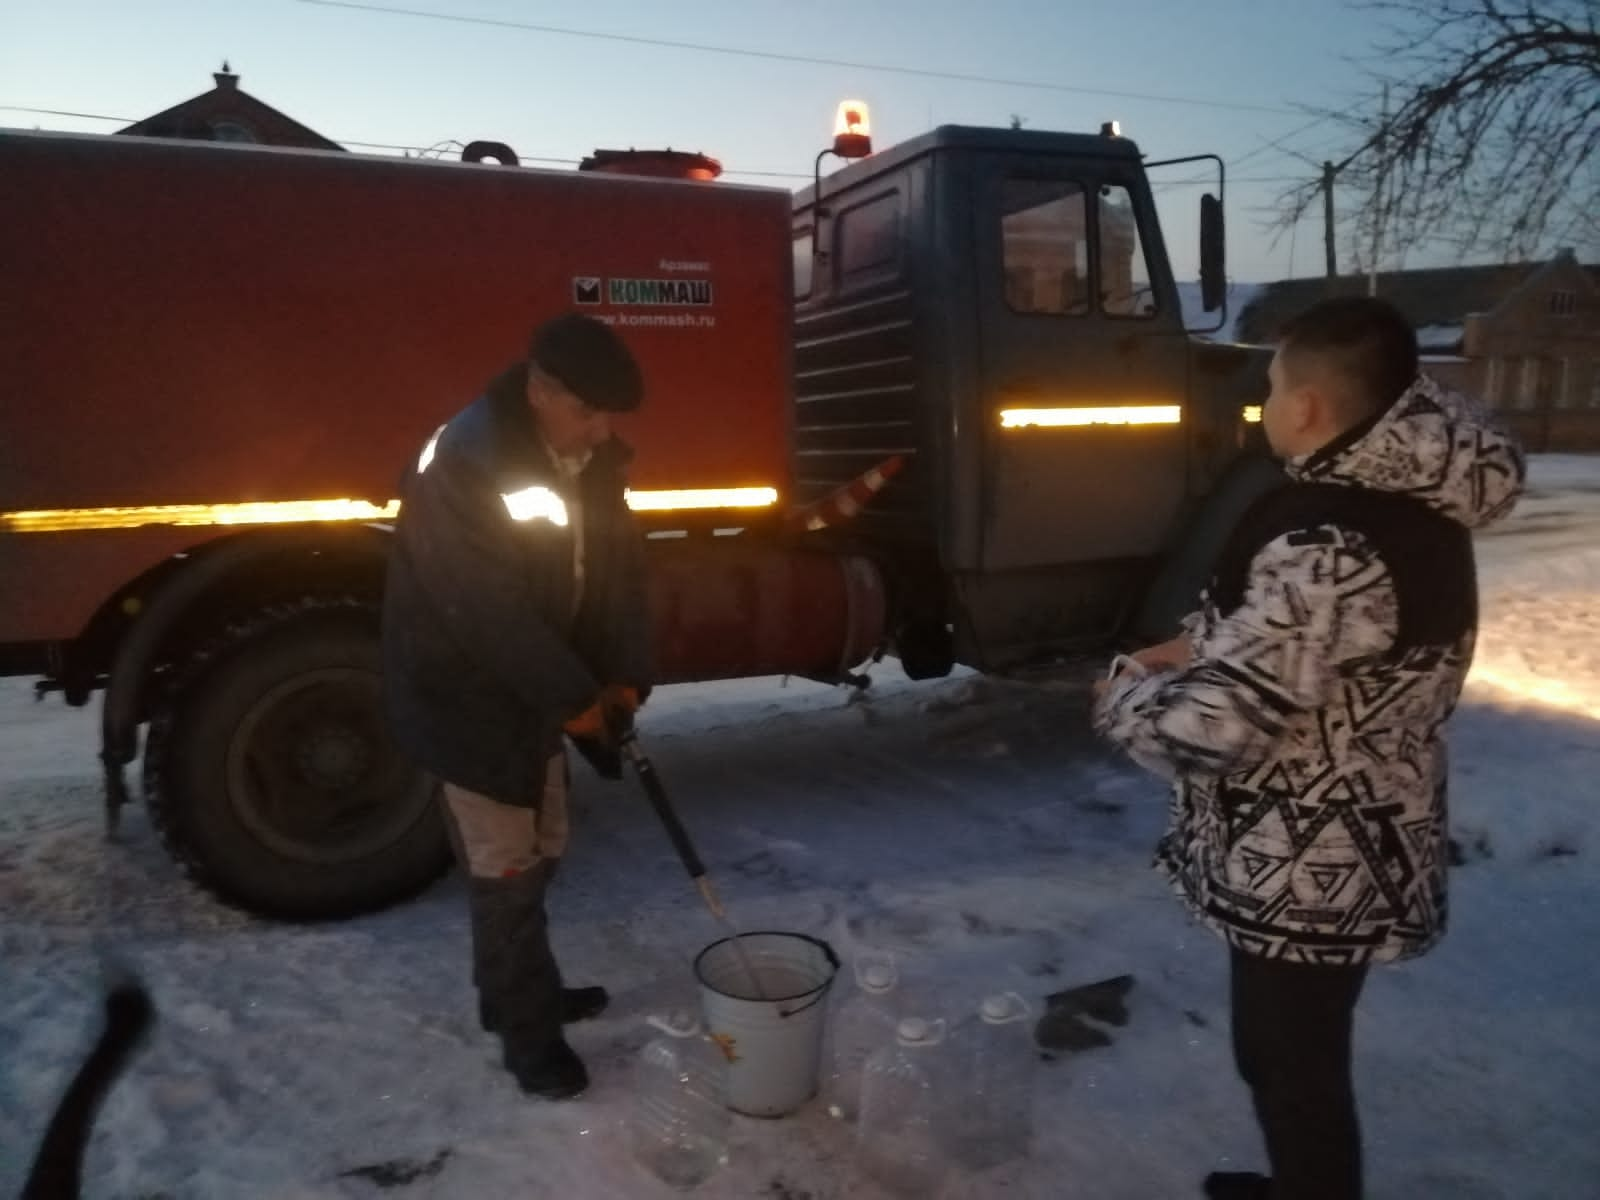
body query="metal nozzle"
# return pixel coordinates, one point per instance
(709, 895)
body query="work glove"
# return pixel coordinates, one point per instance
(609, 718)
(598, 731)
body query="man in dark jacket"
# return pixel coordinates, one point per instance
(1301, 715)
(515, 610)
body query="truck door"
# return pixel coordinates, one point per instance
(1080, 406)
(1083, 368)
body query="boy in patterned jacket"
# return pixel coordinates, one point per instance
(1301, 716)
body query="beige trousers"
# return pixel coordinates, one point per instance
(501, 841)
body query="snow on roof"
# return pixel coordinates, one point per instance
(1440, 337)
(1239, 296)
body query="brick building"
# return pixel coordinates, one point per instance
(1525, 337)
(228, 114)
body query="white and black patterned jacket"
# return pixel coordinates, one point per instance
(1306, 735)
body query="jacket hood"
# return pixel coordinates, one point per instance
(1433, 444)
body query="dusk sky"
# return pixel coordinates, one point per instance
(1227, 76)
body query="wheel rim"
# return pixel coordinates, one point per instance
(313, 773)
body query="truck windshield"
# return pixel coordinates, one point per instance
(1125, 289)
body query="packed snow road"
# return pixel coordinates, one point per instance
(969, 825)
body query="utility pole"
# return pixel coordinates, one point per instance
(1327, 221)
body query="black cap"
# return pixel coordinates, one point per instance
(587, 358)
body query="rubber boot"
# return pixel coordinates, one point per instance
(519, 983)
(577, 1004)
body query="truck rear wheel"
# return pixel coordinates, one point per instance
(272, 778)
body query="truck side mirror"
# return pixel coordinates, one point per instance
(1213, 254)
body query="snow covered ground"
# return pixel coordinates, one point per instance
(970, 825)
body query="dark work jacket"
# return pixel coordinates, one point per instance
(484, 659)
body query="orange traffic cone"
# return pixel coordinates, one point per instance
(841, 504)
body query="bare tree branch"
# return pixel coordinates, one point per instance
(1491, 138)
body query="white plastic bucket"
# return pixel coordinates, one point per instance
(773, 1045)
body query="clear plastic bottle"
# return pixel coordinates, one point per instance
(865, 1023)
(991, 1122)
(898, 1135)
(678, 1123)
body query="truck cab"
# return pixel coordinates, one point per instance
(998, 307)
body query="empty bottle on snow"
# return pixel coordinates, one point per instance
(898, 1135)
(993, 1055)
(865, 1023)
(678, 1126)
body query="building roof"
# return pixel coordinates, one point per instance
(222, 113)
(1435, 299)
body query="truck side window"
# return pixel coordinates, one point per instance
(868, 241)
(1125, 289)
(1044, 231)
(804, 245)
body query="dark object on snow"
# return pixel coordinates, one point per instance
(1104, 1001)
(1479, 847)
(1063, 1027)
(1066, 1031)
(58, 1170)
(398, 1172)
(1238, 1185)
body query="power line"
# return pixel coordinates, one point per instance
(1167, 185)
(1277, 143)
(87, 116)
(572, 162)
(62, 112)
(810, 60)
(413, 147)
(772, 174)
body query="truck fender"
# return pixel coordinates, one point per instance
(173, 599)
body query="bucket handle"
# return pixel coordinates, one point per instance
(833, 961)
(811, 1003)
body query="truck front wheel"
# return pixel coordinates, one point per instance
(270, 773)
